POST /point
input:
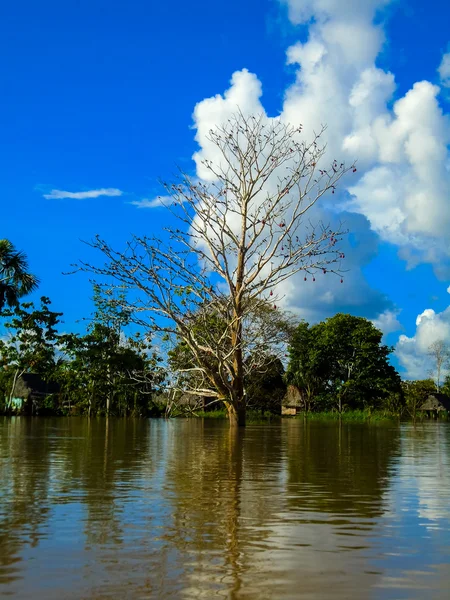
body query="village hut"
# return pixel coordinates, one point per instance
(29, 392)
(436, 403)
(292, 402)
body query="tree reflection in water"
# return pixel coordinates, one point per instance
(103, 508)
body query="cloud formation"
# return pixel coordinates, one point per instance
(444, 70)
(413, 352)
(152, 203)
(61, 194)
(402, 190)
(402, 151)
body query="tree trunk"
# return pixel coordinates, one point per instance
(13, 387)
(237, 414)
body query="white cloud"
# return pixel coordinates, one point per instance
(402, 153)
(301, 11)
(61, 194)
(244, 94)
(152, 203)
(402, 188)
(387, 321)
(412, 352)
(444, 70)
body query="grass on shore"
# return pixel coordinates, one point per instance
(351, 416)
(253, 416)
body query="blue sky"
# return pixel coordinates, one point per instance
(100, 95)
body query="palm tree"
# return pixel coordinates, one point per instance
(15, 280)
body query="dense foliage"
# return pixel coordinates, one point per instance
(341, 363)
(101, 371)
(15, 279)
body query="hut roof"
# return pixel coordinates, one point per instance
(293, 397)
(436, 402)
(32, 384)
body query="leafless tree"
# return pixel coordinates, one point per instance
(440, 353)
(266, 333)
(243, 230)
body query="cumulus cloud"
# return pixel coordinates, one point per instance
(315, 299)
(387, 321)
(444, 70)
(61, 194)
(402, 189)
(302, 11)
(413, 352)
(402, 151)
(244, 94)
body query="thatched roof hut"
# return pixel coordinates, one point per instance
(292, 402)
(30, 389)
(436, 403)
(32, 386)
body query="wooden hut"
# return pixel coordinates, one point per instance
(29, 392)
(436, 403)
(292, 402)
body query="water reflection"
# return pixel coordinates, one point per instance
(143, 509)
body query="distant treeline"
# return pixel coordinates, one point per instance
(115, 366)
(337, 365)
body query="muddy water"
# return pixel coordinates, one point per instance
(186, 509)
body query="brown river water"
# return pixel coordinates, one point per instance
(187, 509)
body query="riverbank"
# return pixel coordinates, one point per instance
(351, 416)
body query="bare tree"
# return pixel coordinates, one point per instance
(266, 333)
(440, 353)
(243, 231)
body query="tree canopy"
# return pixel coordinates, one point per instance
(15, 279)
(341, 362)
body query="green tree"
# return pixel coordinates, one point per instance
(266, 388)
(342, 362)
(359, 372)
(108, 371)
(32, 344)
(416, 392)
(307, 368)
(15, 279)
(445, 388)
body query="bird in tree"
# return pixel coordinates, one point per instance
(15, 279)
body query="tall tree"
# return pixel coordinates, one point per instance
(440, 354)
(15, 279)
(266, 333)
(108, 371)
(345, 361)
(32, 343)
(245, 228)
(307, 368)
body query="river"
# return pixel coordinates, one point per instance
(189, 509)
